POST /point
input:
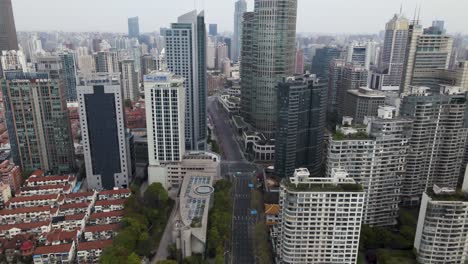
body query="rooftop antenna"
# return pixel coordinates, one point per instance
(419, 12)
(401, 8)
(414, 16)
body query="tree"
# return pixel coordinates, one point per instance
(133, 259)
(155, 196)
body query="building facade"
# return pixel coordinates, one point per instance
(239, 10)
(69, 72)
(186, 57)
(362, 102)
(319, 219)
(38, 122)
(437, 141)
(301, 124)
(103, 131)
(106, 61)
(273, 32)
(323, 57)
(129, 80)
(376, 160)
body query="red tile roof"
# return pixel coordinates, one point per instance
(34, 198)
(79, 194)
(53, 249)
(107, 214)
(75, 217)
(74, 205)
(99, 244)
(46, 187)
(50, 178)
(99, 228)
(36, 173)
(109, 202)
(25, 210)
(59, 235)
(25, 226)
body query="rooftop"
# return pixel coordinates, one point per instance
(79, 194)
(106, 214)
(339, 135)
(59, 235)
(25, 226)
(53, 249)
(109, 202)
(24, 210)
(74, 205)
(323, 187)
(100, 228)
(34, 198)
(50, 178)
(100, 244)
(117, 191)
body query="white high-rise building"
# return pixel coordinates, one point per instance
(210, 53)
(441, 234)
(319, 219)
(221, 55)
(240, 9)
(12, 60)
(186, 57)
(129, 80)
(165, 112)
(359, 54)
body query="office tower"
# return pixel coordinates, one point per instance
(437, 28)
(86, 62)
(359, 54)
(301, 124)
(322, 59)
(103, 131)
(275, 33)
(186, 57)
(96, 44)
(362, 102)
(229, 47)
(106, 61)
(148, 64)
(239, 10)
(394, 51)
(375, 158)
(37, 121)
(213, 29)
(221, 54)
(210, 53)
(226, 68)
(69, 73)
(8, 38)
(165, 101)
(437, 143)
(129, 80)
(133, 27)
(425, 54)
(335, 79)
(299, 62)
(247, 95)
(353, 77)
(441, 232)
(310, 227)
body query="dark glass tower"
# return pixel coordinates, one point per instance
(133, 27)
(301, 123)
(8, 38)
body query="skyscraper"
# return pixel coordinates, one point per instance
(394, 51)
(299, 62)
(186, 57)
(319, 219)
(165, 101)
(129, 80)
(361, 103)
(221, 55)
(247, 95)
(213, 29)
(353, 77)
(69, 72)
(8, 38)
(426, 52)
(133, 27)
(375, 158)
(335, 81)
(322, 60)
(272, 50)
(301, 124)
(437, 142)
(359, 54)
(103, 131)
(106, 61)
(37, 120)
(240, 9)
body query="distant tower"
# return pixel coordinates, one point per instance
(106, 61)
(69, 71)
(8, 38)
(240, 9)
(273, 48)
(299, 63)
(213, 29)
(103, 130)
(186, 57)
(133, 27)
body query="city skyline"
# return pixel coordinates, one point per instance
(28, 15)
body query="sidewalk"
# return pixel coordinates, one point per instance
(166, 239)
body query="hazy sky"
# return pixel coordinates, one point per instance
(318, 16)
